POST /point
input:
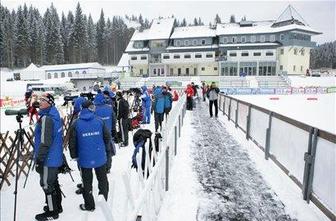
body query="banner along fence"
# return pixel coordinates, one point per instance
(306, 154)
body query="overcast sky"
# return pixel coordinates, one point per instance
(320, 15)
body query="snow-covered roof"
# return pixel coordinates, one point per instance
(93, 65)
(160, 29)
(193, 32)
(32, 67)
(259, 27)
(130, 48)
(124, 60)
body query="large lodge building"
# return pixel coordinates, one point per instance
(252, 48)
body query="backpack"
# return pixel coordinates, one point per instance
(143, 134)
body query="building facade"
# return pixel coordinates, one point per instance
(262, 48)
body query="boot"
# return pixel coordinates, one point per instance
(48, 215)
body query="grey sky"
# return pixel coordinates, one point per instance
(320, 15)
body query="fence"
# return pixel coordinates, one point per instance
(306, 154)
(8, 154)
(144, 202)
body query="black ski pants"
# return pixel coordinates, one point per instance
(103, 185)
(158, 118)
(215, 103)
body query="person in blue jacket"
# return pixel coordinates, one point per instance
(78, 105)
(158, 107)
(89, 143)
(48, 156)
(106, 113)
(146, 105)
(168, 100)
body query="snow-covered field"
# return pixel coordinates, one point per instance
(320, 113)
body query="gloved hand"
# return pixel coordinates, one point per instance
(39, 166)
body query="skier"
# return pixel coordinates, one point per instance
(212, 95)
(90, 144)
(146, 105)
(122, 116)
(158, 107)
(48, 152)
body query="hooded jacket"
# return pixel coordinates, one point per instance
(158, 100)
(48, 148)
(146, 100)
(89, 140)
(104, 111)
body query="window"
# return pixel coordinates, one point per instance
(234, 39)
(62, 74)
(262, 38)
(253, 38)
(294, 67)
(69, 74)
(84, 72)
(282, 37)
(178, 43)
(186, 42)
(187, 71)
(243, 39)
(225, 40)
(209, 55)
(179, 71)
(198, 55)
(187, 56)
(171, 71)
(143, 57)
(141, 71)
(281, 51)
(133, 58)
(55, 75)
(76, 72)
(244, 54)
(154, 71)
(194, 42)
(257, 54)
(203, 42)
(295, 51)
(215, 68)
(272, 38)
(203, 69)
(301, 69)
(281, 67)
(166, 56)
(233, 54)
(269, 53)
(49, 75)
(302, 52)
(176, 56)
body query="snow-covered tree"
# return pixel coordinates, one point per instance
(232, 19)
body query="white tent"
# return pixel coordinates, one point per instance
(32, 72)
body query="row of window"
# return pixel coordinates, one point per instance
(246, 54)
(251, 71)
(295, 51)
(294, 68)
(63, 74)
(144, 57)
(194, 42)
(248, 39)
(177, 56)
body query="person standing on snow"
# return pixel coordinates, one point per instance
(190, 93)
(212, 95)
(90, 144)
(146, 105)
(48, 150)
(158, 107)
(168, 100)
(122, 116)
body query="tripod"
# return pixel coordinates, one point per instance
(18, 147)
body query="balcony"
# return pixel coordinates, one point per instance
(303, 43)
(155, 60)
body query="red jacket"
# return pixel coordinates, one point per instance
(189, 91)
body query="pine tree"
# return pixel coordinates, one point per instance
(22, 41)
(195, 22)
(184, 22)
(232, 19)
(217, 19)
(91, 32)
(100, 38)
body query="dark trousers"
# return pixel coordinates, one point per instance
(51, 188)
(215, 103)
(158, 118)
(189, 103)
(123, 128)
(103, 185)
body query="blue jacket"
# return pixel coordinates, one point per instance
(78, 104)
(104, 111)
(146, 100)
(159, 100)
(90, 145)
(168, 100)
(50, 149)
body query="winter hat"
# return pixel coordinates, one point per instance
(48, 98)
(88, 104)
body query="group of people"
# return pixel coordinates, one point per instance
(208, 91)
(91, 138)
